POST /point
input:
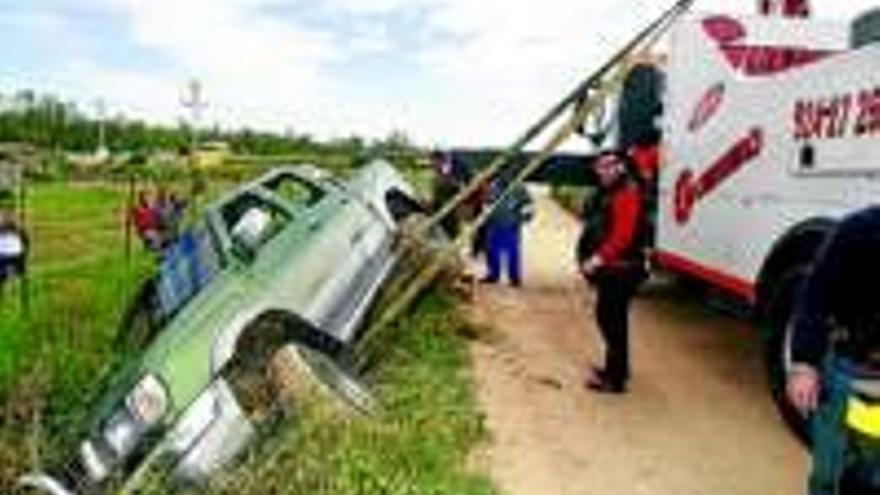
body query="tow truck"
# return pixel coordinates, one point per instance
(766, 128)
(769, 137)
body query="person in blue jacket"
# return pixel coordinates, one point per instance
(504, 230)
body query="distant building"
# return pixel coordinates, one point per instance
(211, 154)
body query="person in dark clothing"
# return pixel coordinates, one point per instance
(835, 351)
(170, 210)
(504, 231)
(446, 186)
(13, 247)
(610, 256)
(473, 208)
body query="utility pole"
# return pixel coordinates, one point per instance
(194, 101)
(101, 114)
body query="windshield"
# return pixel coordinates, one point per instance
(187, 266)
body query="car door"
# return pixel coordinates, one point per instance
(280, 248)
(337, 227)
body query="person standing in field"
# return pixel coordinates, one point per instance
(170, 209)
(147, 223)
(13, 247)
(610, 255)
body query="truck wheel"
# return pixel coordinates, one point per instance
(256, 389)
(778, 346)
(269, 383)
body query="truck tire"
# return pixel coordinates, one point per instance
(270, 378)
(777, 331)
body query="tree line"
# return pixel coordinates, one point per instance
(48, 122)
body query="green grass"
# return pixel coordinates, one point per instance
(52, 351)
(79, 277)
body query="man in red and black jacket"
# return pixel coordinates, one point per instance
(611, 257)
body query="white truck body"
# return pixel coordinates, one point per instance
(744, 97)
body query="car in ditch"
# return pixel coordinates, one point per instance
(290, 264)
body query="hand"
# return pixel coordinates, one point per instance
(803, 389)
(589, 267)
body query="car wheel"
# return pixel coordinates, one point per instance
(778, 331)
(269, 384)
(256, 390)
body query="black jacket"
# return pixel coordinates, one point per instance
(841, 296)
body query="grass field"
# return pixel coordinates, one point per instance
(82, 275)
(52, 350)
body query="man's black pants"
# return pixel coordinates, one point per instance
(11, 267)
(615, 292)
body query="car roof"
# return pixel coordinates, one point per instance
(306, 171)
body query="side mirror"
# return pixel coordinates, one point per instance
(249, 232)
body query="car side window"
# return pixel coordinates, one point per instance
(252, 222)
(295, 191)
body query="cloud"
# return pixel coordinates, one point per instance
(446, 71)
(507, 62)
(243, 55)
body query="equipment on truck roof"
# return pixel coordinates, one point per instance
(866, 29)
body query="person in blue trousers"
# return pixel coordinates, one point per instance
(504, 232)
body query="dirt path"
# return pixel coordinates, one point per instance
(697, 421)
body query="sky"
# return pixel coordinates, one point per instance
(446, 72)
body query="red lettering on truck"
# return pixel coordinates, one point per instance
(855, 114)
(689, 190)
(707, 107)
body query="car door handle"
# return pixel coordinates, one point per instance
(357, 237)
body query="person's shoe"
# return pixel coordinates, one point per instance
(597, 373)
(605, 386)
(516, 283)
(488, 280)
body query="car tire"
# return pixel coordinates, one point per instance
(256, 389)
(778, 332)
(270, 380)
